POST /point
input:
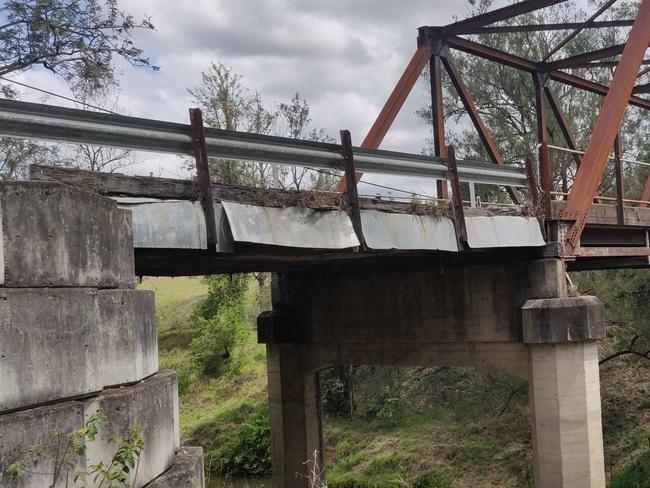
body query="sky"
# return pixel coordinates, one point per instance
(342, 56)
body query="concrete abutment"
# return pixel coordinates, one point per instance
(75, 338)
(515, 318)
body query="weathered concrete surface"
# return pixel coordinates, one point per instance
(295, 415)
(186, 470)
(567, 427)
(459, 304)
(151, 404)
(556, 320)
(56, 235)
(45, 427)
(59, 343)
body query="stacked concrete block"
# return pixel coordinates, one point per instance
(76, 337)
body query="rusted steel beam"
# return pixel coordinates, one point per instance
(456, 198)
(203, 183)
(438, 119)
(581, 59)
(607, 252)
(509, 29)
(467, 25)
(542, 139)
(476, 118)
(644, 71)
(518, 62)
(607, 125)
(351, 193)
(394, 103)
(618, 174)
(577, 31)
(563, 122)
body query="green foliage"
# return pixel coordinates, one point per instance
(335, 384)
(125, 461)
(212, 349)
(223, 291)
(220, 323)
(64, 461)
(636, 474)
(247, 450)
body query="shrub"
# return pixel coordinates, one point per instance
(248, 449)
(212, 349)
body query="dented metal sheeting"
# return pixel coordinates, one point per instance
(177, 224)
(503, 231)
(383, 230)
(290, 226)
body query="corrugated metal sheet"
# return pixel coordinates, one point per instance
(177, 224)
(383, 230)
(503, 231)
(290, 226)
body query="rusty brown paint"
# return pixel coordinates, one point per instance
(518, 62)
(607, 124)
(618, 173)
(438, 119)
(581, 59)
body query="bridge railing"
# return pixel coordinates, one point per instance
(48, 122)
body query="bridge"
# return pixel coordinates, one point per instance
(357, 280)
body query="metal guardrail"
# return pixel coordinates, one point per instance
(48, 122)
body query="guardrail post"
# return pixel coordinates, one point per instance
(203, 183)
(456, 198)
(351, 193)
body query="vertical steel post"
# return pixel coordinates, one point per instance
(456, 198)
(438, 119)
(351, 193)
(618, 173)
(542, 139)
(203, 183)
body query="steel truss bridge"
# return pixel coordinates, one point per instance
(200, 227)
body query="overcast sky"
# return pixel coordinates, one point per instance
(342, 56)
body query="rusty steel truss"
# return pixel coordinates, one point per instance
(436, 46)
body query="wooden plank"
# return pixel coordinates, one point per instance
(116, 183)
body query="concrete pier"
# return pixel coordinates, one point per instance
(514, 318)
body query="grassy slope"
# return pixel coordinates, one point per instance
(444, 429)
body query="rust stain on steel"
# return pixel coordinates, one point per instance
(607, 125)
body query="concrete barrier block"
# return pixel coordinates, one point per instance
(47, 428)
(151, 404)
(58, 343)
(561, 320)
(57, 235)
(186, 470)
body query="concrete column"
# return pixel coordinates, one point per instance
(565, 391)
(296, 419)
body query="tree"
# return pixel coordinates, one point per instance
(75, 39)
(227, 104)
(296, 117)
